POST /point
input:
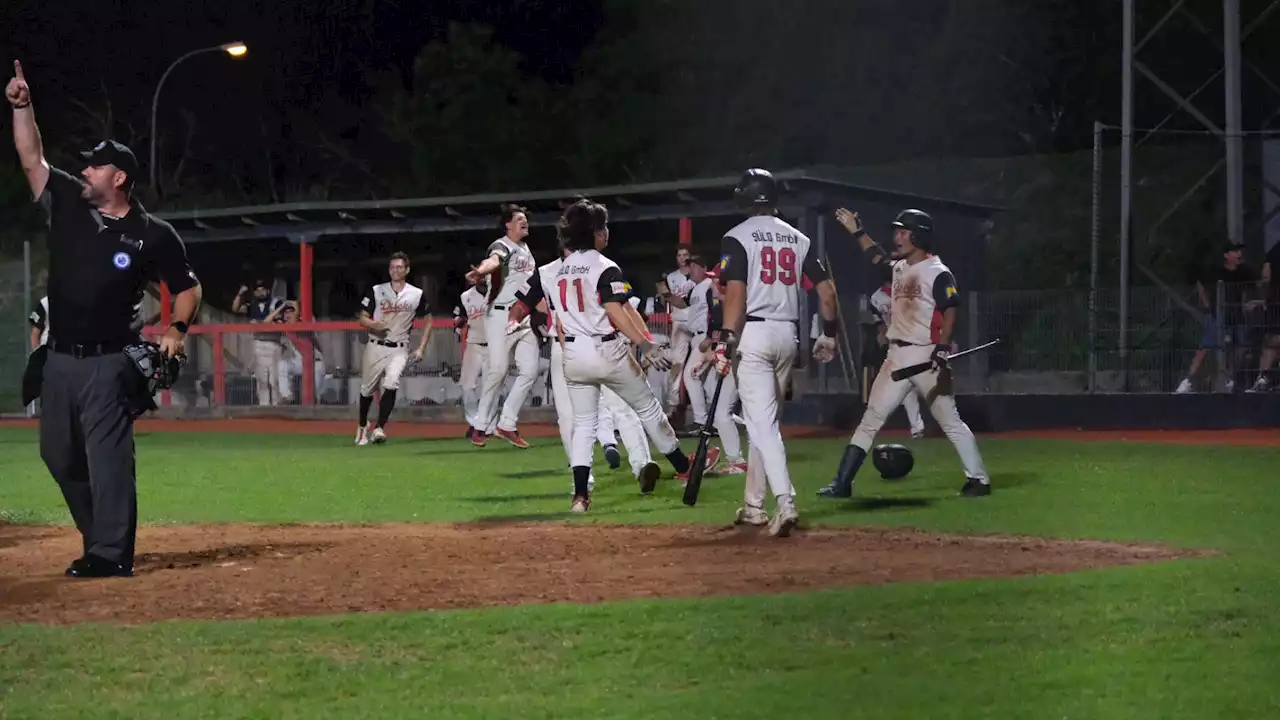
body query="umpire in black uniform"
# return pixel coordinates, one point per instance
(103, 251)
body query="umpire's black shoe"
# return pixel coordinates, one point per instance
(93, 566)
(612, 455)
(975, 488)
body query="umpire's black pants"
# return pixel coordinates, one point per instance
(86, 441)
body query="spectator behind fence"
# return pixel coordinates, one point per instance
(290, 366)
(267, 350)
(1270, 286)
(1229, 331)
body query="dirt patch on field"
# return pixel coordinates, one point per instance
(236, 571)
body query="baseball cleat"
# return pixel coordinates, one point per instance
(362, 436)
(512, 436)
(648, 477)
(842, 485)
(917, 434)
(378, 436)
(734, 466)
(784, 522)
(751, 516)
(612, 455)
(470, 430)
(975, 488)
(580, 504)
(713, 457)
(479, 438)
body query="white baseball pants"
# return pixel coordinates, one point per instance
(887, 394)
(523, 346)
(591, 364)
(266, 369)
(911, 403)
(383, 367)
(694, 375)
(766, 353)
(678, 353)
(475, 358)
(730, 440)
(292, 368)
(609, 403)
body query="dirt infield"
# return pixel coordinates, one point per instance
(237, 571)
(1242, 437)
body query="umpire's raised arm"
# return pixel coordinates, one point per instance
(26, 135)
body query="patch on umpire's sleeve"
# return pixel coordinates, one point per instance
(618, 288)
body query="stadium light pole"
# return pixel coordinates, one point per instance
(234, 49)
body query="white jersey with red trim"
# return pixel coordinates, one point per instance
(920, 291)
(577, 289)
(775, 259)
(474, 305)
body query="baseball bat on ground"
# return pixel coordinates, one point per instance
(911, 371)
(692, 487)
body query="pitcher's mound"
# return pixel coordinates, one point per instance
(238, 571)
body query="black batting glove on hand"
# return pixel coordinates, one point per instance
(941, 354)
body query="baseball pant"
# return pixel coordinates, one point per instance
(383, 367)
(266, 369)
(887, 394)
(679, 351)
(502, 347)
(911, 403)
(475, 357)
(591, 364)
(86, 441)
(693, 376)
(766, 353)
(726, 428)
(627, 422)
(292, 368)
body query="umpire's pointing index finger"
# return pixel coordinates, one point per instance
(17, 69)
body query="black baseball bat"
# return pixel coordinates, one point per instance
(903, 373)
(692, 487)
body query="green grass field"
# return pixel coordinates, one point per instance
(1195, 638)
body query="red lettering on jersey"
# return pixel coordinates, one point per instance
(391, 307)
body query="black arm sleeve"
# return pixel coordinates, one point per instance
(37, 318)
(715, 319)
(733, 260)
(882, 269)
(171, 265)
(368, 302)
(945, 293)
(424, 307)
(612, 287)
(814, 269)
(533, 294)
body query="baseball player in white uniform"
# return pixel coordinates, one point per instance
(725, 425)
(679, 285)
(695, 302)
(922, 285)
(613, 412)
(764, 262)
(475, 352)
(387, 311)
(511, 263)
(587, 296)
(39, 320)
(882, 305)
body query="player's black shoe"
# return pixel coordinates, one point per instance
(612, 455)
(842, 486)
(975, 488)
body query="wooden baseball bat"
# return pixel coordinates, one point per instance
(694, 485)
(913, 370)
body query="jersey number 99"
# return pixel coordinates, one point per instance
(777, 266)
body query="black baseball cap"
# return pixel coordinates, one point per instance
(110, 152)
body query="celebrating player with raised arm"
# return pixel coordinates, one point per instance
(921, 285)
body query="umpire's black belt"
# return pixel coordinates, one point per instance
(87, 350)
(601, 338)
(387, 343)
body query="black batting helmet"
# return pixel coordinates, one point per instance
(893, 461)
(920, 225)
(756, 189)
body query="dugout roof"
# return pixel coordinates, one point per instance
(807, 188)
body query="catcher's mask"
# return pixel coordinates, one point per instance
(159, 372)
(893, 461)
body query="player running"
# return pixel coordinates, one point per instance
(510, 262)
(921, 286)
(588, 299)
(387, 311)
(764, 261)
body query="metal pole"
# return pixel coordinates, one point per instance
(1126, 196)
(1094, 239)
(1235, 141)
(155, 97)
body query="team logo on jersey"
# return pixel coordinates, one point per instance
(122, 261)
(619, 288)
(951, 291)
(724, 262)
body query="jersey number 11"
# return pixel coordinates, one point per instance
(577, 289)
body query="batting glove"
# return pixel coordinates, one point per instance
(720, 359)
(654, 356)
(941, 353)
(824, 349)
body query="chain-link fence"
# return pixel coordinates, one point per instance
(15, 336)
